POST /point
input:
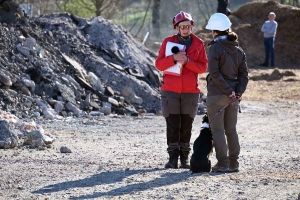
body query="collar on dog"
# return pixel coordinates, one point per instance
(205, 125)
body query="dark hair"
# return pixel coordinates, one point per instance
(231, 36)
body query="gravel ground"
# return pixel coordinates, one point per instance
(121, 157)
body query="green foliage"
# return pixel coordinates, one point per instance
(81, 8)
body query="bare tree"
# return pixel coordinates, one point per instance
(144, 18)
(296, 3)
(207, 12)
(156, 18)
(104, 8)
(40, 6)
(61, 5)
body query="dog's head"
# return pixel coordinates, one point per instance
(205, 121)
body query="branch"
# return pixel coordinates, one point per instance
(207, 9)
(201, 11)
(58, 2)
(144, 18)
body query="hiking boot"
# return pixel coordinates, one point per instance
(234, 166)
(184, 159)
(173, 159)
(218, 168)
(234, 169)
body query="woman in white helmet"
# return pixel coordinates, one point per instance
(226, 82)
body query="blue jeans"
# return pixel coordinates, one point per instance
(269, 49)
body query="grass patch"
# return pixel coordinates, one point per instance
(295, 88)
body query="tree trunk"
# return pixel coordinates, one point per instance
(156, 19)
(98, 5)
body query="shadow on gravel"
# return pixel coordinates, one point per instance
(114, 177)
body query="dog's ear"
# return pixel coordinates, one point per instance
(205, 118)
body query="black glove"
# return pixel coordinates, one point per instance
(238, 96)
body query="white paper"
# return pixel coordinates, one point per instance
(175, 69)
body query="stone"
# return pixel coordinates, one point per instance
(64, 149)
(30, 43)
(37, 138)
(7, 138)
(5, 79)
(58, 106)
(71, 107)
(25, 91)
(106, 108)
(130, 95)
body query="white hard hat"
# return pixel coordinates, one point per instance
(272, 13)
(219, 22)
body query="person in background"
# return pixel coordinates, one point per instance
(269, 29)
(180, 94)
(223, 7)
(226, 82)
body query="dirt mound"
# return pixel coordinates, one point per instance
(273, 76)
(247, 21)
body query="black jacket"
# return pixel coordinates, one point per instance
(227, 69)
(222, 7)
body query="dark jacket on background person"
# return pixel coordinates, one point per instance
(222, 7)
(197, 64)
(227, 69)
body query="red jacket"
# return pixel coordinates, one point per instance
(196, 64)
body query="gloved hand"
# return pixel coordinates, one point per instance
(238, 97)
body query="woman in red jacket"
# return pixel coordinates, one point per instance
(180, 93)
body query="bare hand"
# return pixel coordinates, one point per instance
(180, 57)
(183, 62)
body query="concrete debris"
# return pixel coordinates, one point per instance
(37, 139)
(131, 96)
(61, 65)
(7, 138)
(12, 130)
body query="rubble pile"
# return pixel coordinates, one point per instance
(62, 65)
(15, 132)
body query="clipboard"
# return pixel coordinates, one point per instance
(177, 68)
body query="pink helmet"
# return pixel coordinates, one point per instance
(182, 16)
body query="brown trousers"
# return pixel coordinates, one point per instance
(179, 110)
(224, 122)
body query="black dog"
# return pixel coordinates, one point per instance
(202, 148)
